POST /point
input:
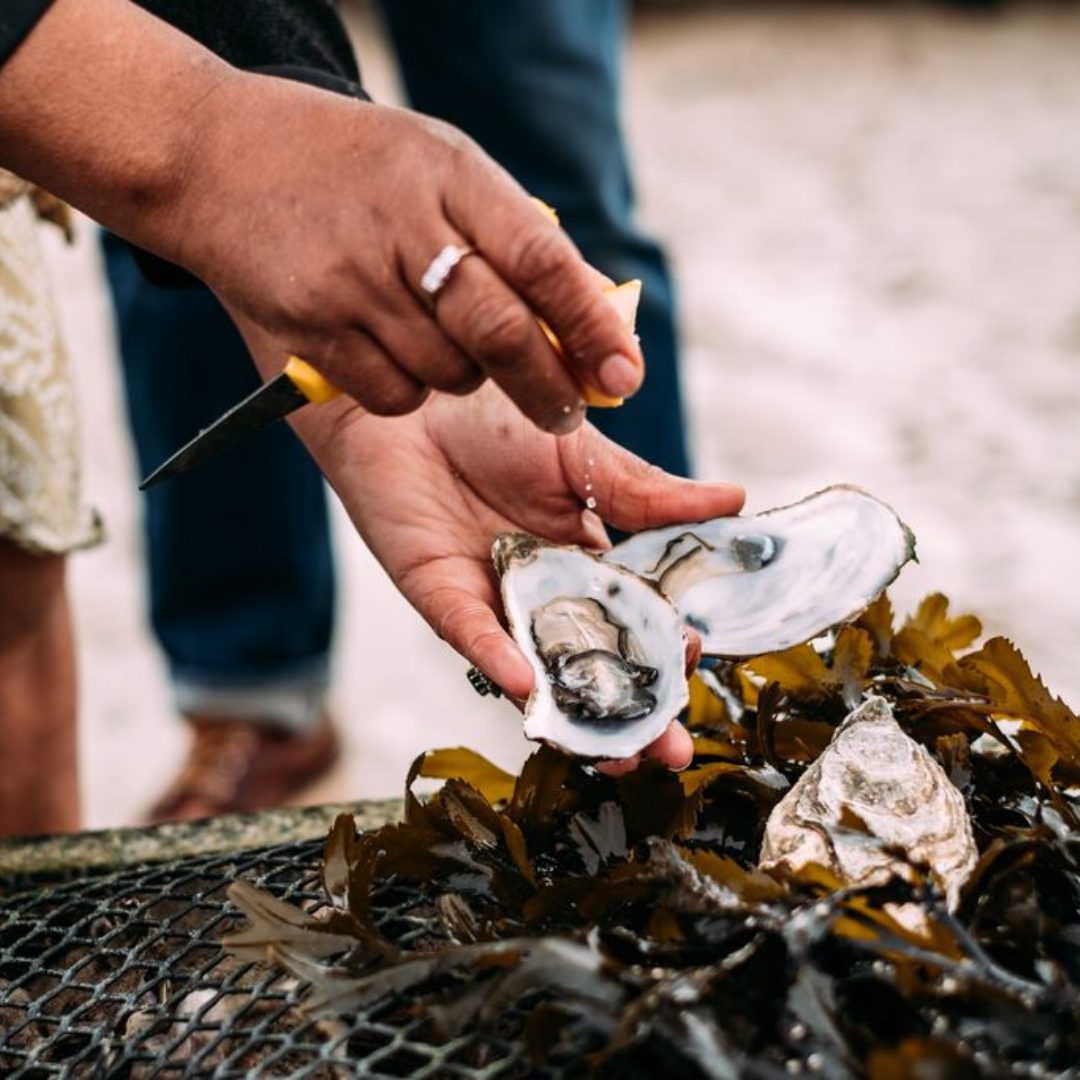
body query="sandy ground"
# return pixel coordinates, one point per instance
(874, 213)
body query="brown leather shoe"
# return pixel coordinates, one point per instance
(236, 766)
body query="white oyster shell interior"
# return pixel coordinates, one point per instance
(896, 788)
(607, 649)
(751, 585)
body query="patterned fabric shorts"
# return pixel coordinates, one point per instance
(40, 508)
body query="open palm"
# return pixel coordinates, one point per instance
(430, 491)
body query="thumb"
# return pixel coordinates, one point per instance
(631, 494)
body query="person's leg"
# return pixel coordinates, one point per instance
(41, 519)
(240, 570)
(39, 791)
(537, 85)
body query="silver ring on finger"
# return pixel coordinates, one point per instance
(440, 269)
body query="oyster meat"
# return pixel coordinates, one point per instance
(752, 585)
(901, 794)
(607, 648)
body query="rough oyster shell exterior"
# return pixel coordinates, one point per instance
(875, 770)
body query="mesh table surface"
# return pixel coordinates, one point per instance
(120, 973)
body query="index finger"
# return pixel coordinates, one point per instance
(540, 263)
(468, 622)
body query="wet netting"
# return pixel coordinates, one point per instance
(122, 974)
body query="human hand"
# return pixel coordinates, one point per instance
(429, 493)
(315, 216)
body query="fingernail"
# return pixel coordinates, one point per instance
(619, 376)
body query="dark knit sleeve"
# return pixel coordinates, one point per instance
(264, 33)
(246, 33)
(17, 19)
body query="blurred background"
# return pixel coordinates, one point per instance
(873, 212)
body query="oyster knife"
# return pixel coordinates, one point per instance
(295, 387)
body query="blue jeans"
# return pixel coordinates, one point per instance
(240, 571)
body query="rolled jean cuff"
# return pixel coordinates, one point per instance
(293, 703)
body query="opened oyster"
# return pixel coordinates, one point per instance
(607, 648)
(901, 795)
(752, 585)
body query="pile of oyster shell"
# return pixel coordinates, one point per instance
(605, 634)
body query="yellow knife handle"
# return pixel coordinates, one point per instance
(309, 382)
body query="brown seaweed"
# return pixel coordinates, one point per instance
(628, 919)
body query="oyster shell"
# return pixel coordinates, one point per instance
(896, 788)
(607, 648)
(751, 585)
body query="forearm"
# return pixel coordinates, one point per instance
(103, 105)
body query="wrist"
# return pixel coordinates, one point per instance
(170, 212)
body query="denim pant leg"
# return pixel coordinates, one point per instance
(240, 571)
(537, 84)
